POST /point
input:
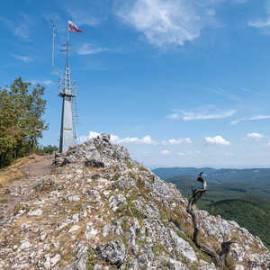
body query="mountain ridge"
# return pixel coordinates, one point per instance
(99, 209)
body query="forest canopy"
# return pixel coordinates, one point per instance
(21, 124)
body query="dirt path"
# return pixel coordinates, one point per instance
(40, 167)
(19, 179)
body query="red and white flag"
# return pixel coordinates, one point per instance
(72, 27)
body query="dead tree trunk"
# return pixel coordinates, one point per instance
(223, 254)
(219, 258)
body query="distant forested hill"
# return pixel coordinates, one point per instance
(240, 195)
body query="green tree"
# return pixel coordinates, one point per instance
(21, 109)
(48, 149)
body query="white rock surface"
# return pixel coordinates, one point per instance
(115, 215)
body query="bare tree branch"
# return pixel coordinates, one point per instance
(219, 258)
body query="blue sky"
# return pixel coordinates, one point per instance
(179, 82)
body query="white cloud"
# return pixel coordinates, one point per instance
(259, 117)
(207, 113)
(174, 116)
(255, 136)
(262, 23)
(94, 134)
(23, 26)
(136, 140)
(20, 27)
(23, 58)
(171, 22)
(42, 82)
(235, 122)
(165, 152)
(116, 139)
(217, 140)
(87, 48)
(252, 118)
(22, 31)
(47, 82)
(189, 153)
(174, 141)
(91, 135)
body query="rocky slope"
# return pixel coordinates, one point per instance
(99, 209)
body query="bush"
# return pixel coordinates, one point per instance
(48, 149)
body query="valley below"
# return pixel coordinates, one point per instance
(242, 195)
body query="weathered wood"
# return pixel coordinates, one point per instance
(220, 257)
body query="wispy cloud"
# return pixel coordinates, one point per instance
(252, 118)
(21, 27)
(171, 22)
(88, 48)
(262, 23)
(88, 12)
(174, 141)
(217, 140)
(136, 140)
(23, 58)
(147, 139)
(259, 117)
(42, 82)
(205, 113)
(255, 136)
(231, 94)
(22, 31)
(189, 153)
(91, 135)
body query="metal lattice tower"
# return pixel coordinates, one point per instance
(67, 132)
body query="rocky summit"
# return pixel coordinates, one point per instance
(99, 209)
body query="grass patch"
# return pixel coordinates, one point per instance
(130, 164)
(142, 168)
(158, 248)
(92, 259)
(9, 175)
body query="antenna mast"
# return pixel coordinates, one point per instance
(67, 133)
(53, 42)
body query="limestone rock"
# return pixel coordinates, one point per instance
(183, 247)
(114, 252)
(117, 201)
(99, 209)
(35, 212)
(93, 163)
(90, 232)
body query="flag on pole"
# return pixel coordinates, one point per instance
(72, 27)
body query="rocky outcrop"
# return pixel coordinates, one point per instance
(99, 209)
